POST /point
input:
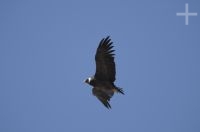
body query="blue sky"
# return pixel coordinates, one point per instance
(47, 49)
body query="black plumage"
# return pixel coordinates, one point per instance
(103, 80)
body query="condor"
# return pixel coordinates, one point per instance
(103, 80)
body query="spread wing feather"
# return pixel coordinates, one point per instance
(105, 65)
(102, 96)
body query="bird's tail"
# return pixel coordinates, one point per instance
(119, 90)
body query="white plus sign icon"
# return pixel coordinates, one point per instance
(186, 14)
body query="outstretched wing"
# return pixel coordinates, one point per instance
(105, 65)
(102, 96)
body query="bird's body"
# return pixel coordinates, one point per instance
(103, 80)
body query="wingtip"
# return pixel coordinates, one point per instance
(108, 37)
(106, 43)
(108, 106)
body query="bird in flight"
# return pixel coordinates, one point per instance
(103, 80)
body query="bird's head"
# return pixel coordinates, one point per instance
(88, 80)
